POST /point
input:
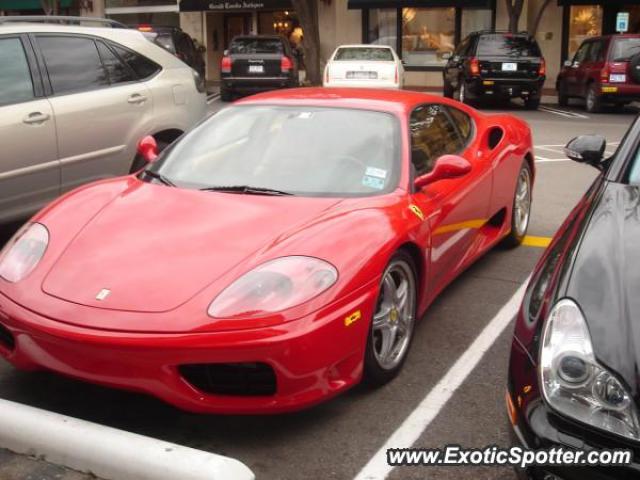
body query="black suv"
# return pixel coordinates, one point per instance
(257, 63)
(496, 65)
(177, 42)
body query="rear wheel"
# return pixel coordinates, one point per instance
(225, 95)
(532, 103)
(393, 323)
(521, 212)
(447, 90)
(461, 92)
(593, 101)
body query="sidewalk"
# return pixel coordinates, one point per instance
(20, 467)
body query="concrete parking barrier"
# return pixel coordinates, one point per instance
(107, 452)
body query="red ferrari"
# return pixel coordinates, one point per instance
(274, 256)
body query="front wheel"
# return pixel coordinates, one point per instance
(393, 323)
(532, 103)
(521, 212)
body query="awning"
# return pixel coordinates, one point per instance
(418, 3)
(604, 3)
(28, 4)
(232, 5)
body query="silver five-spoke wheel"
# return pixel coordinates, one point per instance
(394, 319)
(522, 203)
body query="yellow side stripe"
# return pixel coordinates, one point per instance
(540, 242)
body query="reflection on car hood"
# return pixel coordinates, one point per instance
(178, 241)
(606, 280)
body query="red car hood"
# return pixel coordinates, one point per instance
(178, 241)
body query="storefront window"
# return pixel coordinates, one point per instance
(584, 21)
(474, 19)
(383, 27)
(427, 34)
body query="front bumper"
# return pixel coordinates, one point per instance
(313, 358)
(504, 88)
(539, 430)
(619, 92)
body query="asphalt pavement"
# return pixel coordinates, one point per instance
(336, 440)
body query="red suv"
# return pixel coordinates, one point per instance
(604, 70)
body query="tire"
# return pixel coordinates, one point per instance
(532, 103)
(447, 90)
(634, 68)
(521, 211)
(225, 95)
(461, 92)
(563, 98)
(394, 320)
(593, 100)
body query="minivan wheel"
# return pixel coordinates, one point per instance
(225, 95)
(593, 101)
(392, 326)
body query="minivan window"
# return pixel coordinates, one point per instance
(143, 67)
(364, 54)
(15, 78)
(118, 71)
(625, 48)
(73, 63)
(507, 45)
(255, 45)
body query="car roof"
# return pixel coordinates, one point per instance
(398, 102)
(259, 37)
(364, 45)
(55, 28)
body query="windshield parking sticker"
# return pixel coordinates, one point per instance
(376, 172)
(373, 182)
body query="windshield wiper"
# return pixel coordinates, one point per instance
(160, 177)
(245, 189)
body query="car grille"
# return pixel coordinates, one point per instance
(6, 338)
(239, 379)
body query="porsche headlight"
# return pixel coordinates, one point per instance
(23, 252)
(574, 383)
(274, 286)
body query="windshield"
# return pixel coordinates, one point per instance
(625, 48)
(308, 151)
(252, 46)
(507, 45)
(364, 54)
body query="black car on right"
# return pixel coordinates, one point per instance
(490, 65)
(574, 373)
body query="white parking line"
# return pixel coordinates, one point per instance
(107, 452)
(418, 421)
(563, 113)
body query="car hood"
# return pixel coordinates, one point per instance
(606, 280)
(169, 243)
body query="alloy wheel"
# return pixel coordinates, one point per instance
(522, 204)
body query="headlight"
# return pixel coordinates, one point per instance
(23, 252)
(574, 383)
(274, 286)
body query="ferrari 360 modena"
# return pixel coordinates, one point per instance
(274, 256)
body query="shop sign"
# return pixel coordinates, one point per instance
(232, 5)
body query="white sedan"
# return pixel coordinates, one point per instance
(375, 66)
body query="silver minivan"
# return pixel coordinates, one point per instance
(74, 101)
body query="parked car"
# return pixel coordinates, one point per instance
(376, 66)
(257, 63)
(573, 375)
(179, 43)
(496, 66)
(604, 70)
(274, 255)
(73, 103)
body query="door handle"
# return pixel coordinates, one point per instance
(35, 118)
(137, 99)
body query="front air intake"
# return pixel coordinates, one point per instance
(238, 379)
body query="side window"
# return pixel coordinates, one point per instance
(142, 66)
(462, 122)
(432, 135)
(118, 72)
(462, 48)
(73, 63)
(595, 54)
(582, 53)
(15, 78)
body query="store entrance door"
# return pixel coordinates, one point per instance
(236, 24)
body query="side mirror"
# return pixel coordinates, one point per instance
(447, 166)
(447, 55)
(587, 149)
(148, 149)
(568, 63)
